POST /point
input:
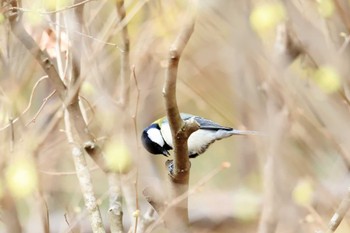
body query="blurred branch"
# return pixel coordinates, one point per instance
(84, 178)
(41, 56)
(157, 201)
(75, 5)
(41, 107)
(340, 213)
(287, 48)
(343, 14)
(9, 217)
(30, 104)
(115, 212)
(179, 176)
(72, 97)
(124, 60)
(115, 195)
(73, 116)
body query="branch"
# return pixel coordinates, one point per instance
(177, 220)
(124, 60)
(84, 178)
(179, 130)
(115, 212)
(340, 213)
(15, 16)
(71, 98)
(10, 214)
(74, 113)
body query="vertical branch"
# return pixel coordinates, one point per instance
(115, 212)
(74, 117)
(272, 200)
(177, 221)
(84, 178)
(180, 131)
(115, 195)
(125, 57)
(287, 48)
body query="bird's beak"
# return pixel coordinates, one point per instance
(165, 153)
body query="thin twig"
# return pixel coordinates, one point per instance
(340, 213)
(12, 139)
(115, 212)
(84, 177)
(51, 173)
(41, 107)
(75, 5)
(125, 56)
(28, 105)
(94, 38)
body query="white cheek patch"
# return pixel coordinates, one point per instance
(155, 136)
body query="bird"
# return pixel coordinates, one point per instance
(157, 139)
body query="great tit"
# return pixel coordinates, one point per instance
(157, 138)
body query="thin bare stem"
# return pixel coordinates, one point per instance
(52, 173)
(54, 11)
(124, 60)
(84, 178)
(115, 212)
(340, 213)
(41, 107)
(29, 103)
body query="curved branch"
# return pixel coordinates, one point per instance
(178, 127)
(177, 218)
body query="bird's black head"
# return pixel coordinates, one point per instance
(153, 141)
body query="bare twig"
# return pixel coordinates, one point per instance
(41, 107)
(340, 213)
(12, 139)
(115, 212)
(41, 56)
(124, 60)
(75, 5)
(180, 131)
(287, 49)
(84, 178)
(29, 103)
(51, 173)
(69, 99)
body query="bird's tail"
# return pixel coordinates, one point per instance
(246, 132)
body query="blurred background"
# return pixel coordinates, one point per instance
(279, 67)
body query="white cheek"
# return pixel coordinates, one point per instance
(167, 134)
(155, 136)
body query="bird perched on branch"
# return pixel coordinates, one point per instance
(157, 138)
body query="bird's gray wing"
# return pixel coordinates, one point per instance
(208, 124)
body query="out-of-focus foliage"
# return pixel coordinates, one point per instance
(265, 17)
(303, 192)
(327, 79)
(117, 156)
(21, 177)
(326, 8)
